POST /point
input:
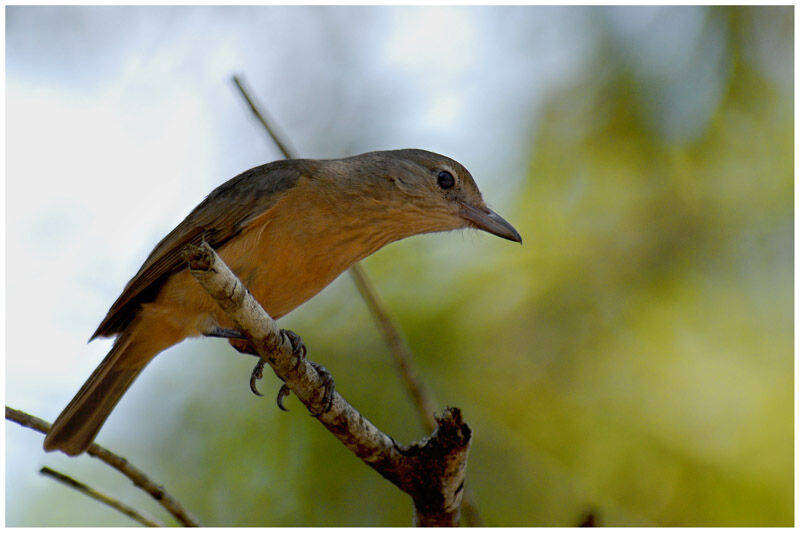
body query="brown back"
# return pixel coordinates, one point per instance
(218, 218)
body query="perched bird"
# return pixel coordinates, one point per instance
(286, 229)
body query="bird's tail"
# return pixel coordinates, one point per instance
(78, 424)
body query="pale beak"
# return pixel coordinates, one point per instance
(487, 220)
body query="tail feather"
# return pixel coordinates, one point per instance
(81, 420)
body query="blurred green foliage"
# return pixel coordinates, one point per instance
(634, 356)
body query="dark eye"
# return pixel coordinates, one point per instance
(445, 179)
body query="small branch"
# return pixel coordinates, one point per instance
(99, 496)
(398, 346)
(121, 464)
(419, 393)
(431, 472)
(282, 145)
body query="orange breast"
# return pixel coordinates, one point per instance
(284, 257)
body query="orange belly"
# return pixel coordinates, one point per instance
(284, 257)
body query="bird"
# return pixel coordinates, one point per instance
(287, 229)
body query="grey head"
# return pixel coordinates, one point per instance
(427, 191)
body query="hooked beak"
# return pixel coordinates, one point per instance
(487, 220)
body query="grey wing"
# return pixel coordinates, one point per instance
(244, 197)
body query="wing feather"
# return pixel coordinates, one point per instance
(218, 218)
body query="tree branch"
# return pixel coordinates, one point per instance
(95, 494)
(421, 395)
(280, 143)
(431, 472)
(121, 464)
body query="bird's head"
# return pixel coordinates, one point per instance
(425, 192)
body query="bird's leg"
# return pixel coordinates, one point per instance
(241, 344)
(246, 347)
(224, 333)
(236, 338)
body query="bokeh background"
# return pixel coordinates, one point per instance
(634, 358)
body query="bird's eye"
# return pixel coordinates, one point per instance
(445, 180)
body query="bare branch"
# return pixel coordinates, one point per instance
(281, 144)
(431, 472)
(421, 395)
(139, 478)
(99, 496)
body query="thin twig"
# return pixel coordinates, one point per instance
(95, 494)
(431, 472)
(421, 395)
(282, 145)
(139, 478)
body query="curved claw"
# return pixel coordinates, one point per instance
(328, 384)
(283, 393)
(298, 346)
(258, 373)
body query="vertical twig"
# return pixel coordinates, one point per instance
(420, 394)
(398, 346)
(282, 146)
(95, 494)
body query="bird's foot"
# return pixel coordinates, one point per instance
(299, 350)
(255, 375)
(225, 333)
(298, 346)
(242, 344)
(283, 393)
(327, 382)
